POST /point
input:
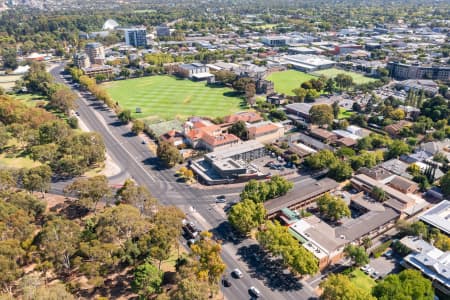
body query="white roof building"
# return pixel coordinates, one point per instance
(438, 216)
(432, 262)
(307, 63)
(110, 24)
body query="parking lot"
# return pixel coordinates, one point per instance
(382, 266)
(273, 165)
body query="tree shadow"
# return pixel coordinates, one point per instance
(232, 94)
(129, 134)
(270, 270)
(116, 123)
(74, 211)
(155, 163)
(112, 288)
(227, 234)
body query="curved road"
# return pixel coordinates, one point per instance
(135, 159)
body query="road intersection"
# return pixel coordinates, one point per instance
(137, 162)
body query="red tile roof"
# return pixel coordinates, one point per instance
(247, 116)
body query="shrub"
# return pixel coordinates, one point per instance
(380, 249)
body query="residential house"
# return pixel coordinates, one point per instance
(397, 167)
(323, 135)
(394, 129)
(202, 134)
(174, 137)
(404, 185)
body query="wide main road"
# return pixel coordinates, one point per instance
(136, 160)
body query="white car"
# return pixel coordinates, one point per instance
(221, 199)
(254, 291)
(237, 273)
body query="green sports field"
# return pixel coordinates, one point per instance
(357, 78)
(286, 81)
(167, 98)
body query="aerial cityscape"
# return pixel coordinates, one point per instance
(195, 150)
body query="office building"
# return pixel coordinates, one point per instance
(162, 30)
(136, 37)
(95, 52)
(81, 60)
(402, 71)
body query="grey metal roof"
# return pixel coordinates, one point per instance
(300, 193)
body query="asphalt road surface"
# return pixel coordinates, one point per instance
(138, 162)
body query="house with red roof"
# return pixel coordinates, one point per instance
(202, 134)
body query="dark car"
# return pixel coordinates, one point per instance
(226, 282)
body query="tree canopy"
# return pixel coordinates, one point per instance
(246, 215)
(408, 284)
(332, 207)
(339, 287)
(321, 114)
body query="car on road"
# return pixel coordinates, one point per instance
(226, 282)
(254, 292)
(221, 199)
(144, 142)
(77, 113)
(190, 230)
(237, 273)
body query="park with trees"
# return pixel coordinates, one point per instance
(123, 232)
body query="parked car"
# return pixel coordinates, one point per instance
(237, 273)
(388, 253)
(254, 292)
(269, 164)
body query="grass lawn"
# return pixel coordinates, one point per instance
(31, 100)
(9, 81)
(286, 81)
(345, 114)
(266, 26)
(167, 98)
(361, 280)
(17, 162)
(357, 78)
(14, 158)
